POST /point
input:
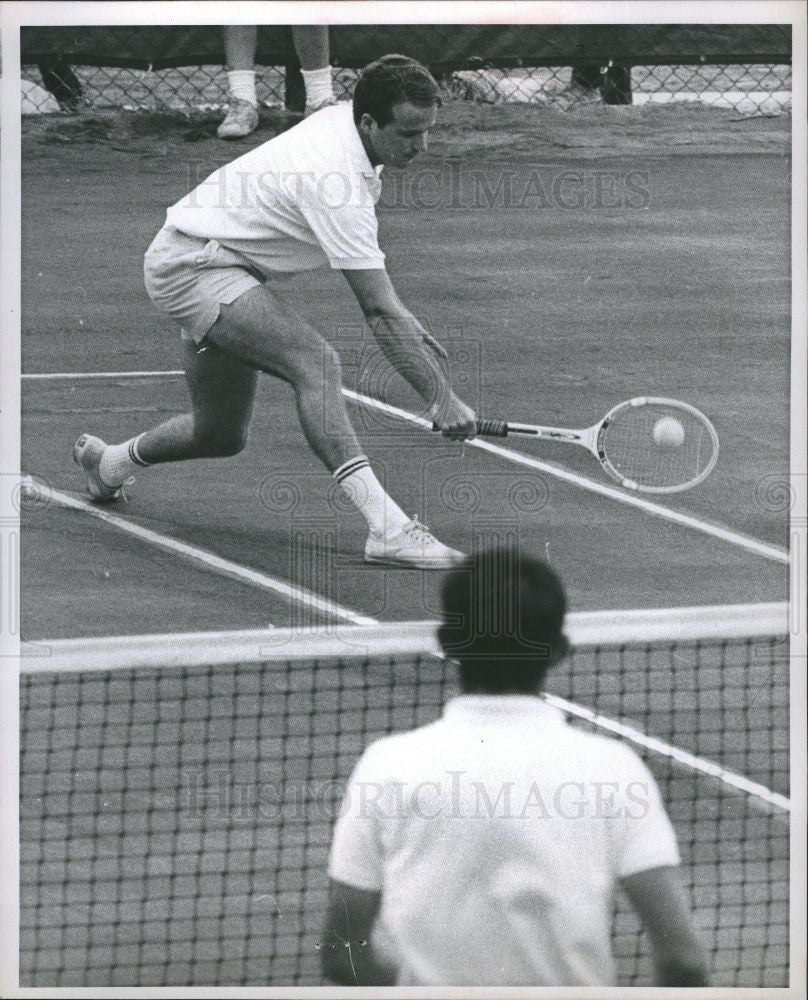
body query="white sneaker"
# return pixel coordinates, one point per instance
(413, 546)
(87, 452)
(240, 121)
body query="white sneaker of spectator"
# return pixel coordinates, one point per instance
(240, 121)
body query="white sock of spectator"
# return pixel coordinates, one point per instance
(241, 84)
(318, 86)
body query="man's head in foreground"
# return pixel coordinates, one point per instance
(394, 107)
(503, 619)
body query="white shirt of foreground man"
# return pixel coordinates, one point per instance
(496, 837)
(485, 849)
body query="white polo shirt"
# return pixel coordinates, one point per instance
(496, 837)
(303, 200)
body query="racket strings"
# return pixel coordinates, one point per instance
(630, 447)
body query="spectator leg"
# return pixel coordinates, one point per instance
(239, 48)
(617, 85)
(312, 48)
(311, 45)
(62, 82)
(587, 77)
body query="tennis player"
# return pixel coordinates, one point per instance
(485, 849)
(304, 200)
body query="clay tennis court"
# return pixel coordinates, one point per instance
(567, 262)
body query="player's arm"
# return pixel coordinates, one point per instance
(659, 899)
(411, 349)
(348, 957)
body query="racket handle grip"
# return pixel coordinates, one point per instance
(487, 428)
(492, 428)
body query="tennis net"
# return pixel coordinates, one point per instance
(178, 792)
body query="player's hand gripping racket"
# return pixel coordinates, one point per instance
(649, 444)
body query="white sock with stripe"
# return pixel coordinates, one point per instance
(120, 461)
(241, 85)
(363, 489)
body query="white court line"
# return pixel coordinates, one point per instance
(734, 537)
(213, 562)
(56, 376)
(773, 552)
(737, 782)
(255, 578)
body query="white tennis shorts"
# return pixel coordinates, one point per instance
(190, 278)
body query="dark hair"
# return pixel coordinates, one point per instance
(503, 618)
(392, 80)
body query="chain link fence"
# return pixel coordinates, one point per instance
(746, 88)
(560, 66)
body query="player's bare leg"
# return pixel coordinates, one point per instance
(260, 332)
(222, 391)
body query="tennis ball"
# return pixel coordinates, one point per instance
(668, 432)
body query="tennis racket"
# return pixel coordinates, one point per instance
(632, 447)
